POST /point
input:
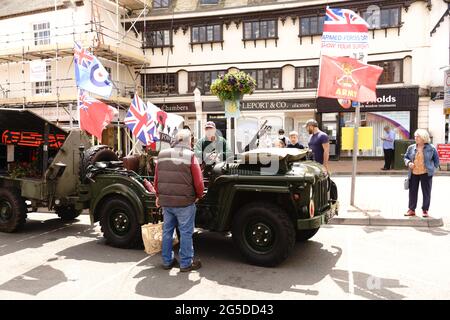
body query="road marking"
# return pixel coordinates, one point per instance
(107, 280)
(351, 282)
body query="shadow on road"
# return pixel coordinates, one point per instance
(37, 233)
(35, 281)
(223, 265)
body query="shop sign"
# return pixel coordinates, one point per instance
(277, 105)
(31, 139)
(394, 99)
(444, 153)
(178, 107)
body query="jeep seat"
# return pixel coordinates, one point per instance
(131, 163)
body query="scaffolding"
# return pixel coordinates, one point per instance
(105, 40)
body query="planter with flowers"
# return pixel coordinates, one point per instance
(230, 89)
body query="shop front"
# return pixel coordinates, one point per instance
(395, 107)
(183, 109)
(287, 114)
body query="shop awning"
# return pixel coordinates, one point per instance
(24, 120)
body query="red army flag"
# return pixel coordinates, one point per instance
(94, 115)
(347, 78)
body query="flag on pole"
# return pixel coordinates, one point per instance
(94, 114)
(346, 78)
(90, 74)
(139, 122)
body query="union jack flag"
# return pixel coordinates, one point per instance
(82, 56)
(139, 122)
(343, 20)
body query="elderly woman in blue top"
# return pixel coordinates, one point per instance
(422, 160)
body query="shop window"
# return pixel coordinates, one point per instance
(157, 4)
(264, 29)
(206, 34)
(311, 25)
(307, 77)
(384, 18)
(209, 1)
(246, 129)
(159, 83)
(157, 39)
(288, 125)
(266, 79)
(41, 33)
(202, 80)
(276, 123)
(392, 71)
(44, 87)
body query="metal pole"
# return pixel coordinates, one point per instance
(45, 149)
(355, 153)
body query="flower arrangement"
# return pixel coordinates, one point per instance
(233, 86)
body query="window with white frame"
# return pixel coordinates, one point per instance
(44, 87)
(41, 33)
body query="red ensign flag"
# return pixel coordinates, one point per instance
(94, 115)
(347, 78)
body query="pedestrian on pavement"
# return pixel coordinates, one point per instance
(282, 137)
(422, 160)
(294, 142)
(178, 186)
(211, 148)
(318, 143)
(388, 147)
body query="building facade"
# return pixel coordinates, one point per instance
(40, 37)
(191, 43)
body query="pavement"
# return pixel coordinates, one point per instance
(382, 201)
(54, 260)
(343, 167)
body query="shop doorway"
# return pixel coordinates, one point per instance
(330, 125)
(221, 123)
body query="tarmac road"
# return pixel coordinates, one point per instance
(53, 260)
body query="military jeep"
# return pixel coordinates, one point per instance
(267, 198)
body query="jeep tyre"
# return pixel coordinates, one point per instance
(13, 210)
(97, 154)
(263, 233)
(118, 221)
(67, 213)
(304, 235)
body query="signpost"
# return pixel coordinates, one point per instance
(346, 34)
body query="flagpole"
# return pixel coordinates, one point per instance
(78, 107)
(355, 153)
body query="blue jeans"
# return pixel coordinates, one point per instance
(184, 218)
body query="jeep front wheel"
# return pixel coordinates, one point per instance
(67, 213)
(13, 210)
(119, 224)
(304, 235)
(263, 233)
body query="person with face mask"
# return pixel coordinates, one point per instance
(318, 143)
(212, 148)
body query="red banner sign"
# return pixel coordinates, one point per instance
(444, 153)
(31, 139)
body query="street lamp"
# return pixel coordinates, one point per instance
(198, 111)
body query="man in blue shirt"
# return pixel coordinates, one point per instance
(388, 147)
(318, 143)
